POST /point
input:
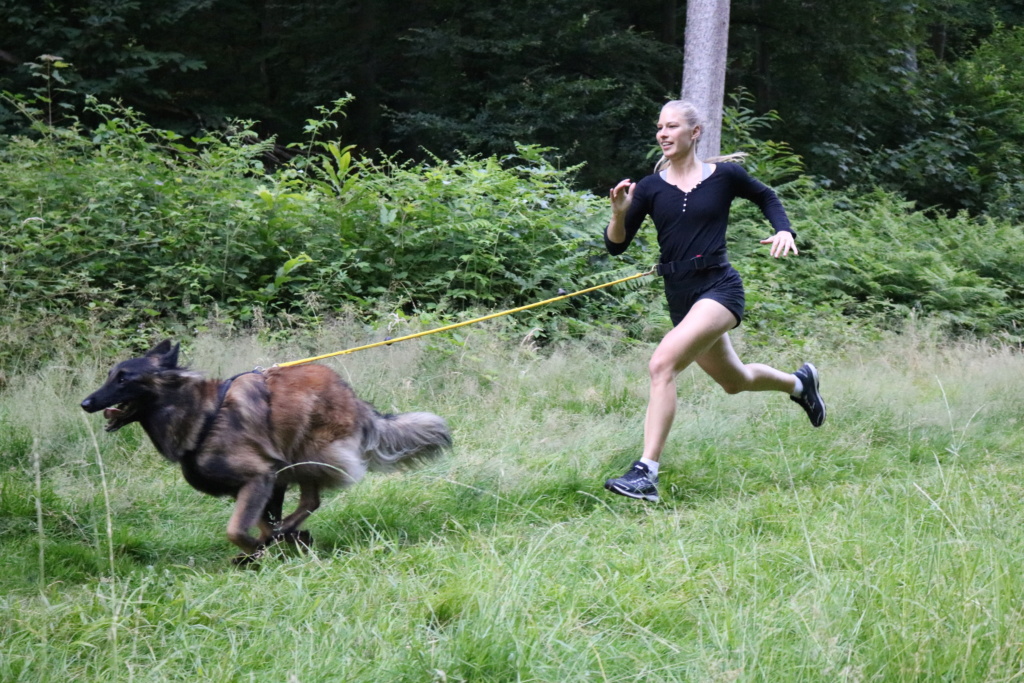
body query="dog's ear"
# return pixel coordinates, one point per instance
(167, 354)
(170, 359)
(160, 349)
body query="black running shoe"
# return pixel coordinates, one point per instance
(810, 399)
(636, 483)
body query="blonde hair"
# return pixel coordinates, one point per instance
(693, 119)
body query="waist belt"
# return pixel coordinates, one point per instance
(695, 264)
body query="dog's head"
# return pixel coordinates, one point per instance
(131, 384)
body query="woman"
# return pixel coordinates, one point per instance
(689, 201)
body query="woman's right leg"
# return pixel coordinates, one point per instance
(701, 329)
(705, 323)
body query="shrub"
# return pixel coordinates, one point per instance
(133, 230)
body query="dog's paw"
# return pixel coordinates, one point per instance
(300, 539)
(250, 561)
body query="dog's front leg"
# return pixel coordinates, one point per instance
(250, 503)
(272, 515)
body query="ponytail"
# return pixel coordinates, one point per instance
(720, 159)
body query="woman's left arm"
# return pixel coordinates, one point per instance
(784, 240)
(782, 243)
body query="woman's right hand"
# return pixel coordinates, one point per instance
(622, 196)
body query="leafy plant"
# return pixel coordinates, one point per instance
(141, 231)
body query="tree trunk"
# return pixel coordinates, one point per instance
(704, 59)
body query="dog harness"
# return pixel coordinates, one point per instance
(207, 427)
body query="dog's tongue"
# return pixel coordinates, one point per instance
(111, 413)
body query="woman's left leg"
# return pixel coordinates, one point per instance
(721, 362)
(725, 367)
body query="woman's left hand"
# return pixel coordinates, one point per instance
(782, 243)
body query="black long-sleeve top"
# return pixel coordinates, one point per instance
(693, 223)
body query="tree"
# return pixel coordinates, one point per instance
(863, 91)
(704, 60)
(110, 43)
(583, 77)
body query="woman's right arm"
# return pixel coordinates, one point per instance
(615, 235)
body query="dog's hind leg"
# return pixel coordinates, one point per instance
(251, 501)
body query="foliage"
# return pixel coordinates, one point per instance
(769, 161)
(874, 255)
(126, 225)
(868, 91)
(136, 229)
(553, 73)
(916, 97)
(106, 40)
(476, 232)
(952, 139)
(137, 215)
(972, 137)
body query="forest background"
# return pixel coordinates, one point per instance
(175, 163)
(916, 96)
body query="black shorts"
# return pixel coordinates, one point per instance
(722, 284)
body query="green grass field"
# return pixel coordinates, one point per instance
(885, 546)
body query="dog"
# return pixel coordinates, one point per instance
(254, 435)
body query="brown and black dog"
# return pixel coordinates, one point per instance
(255, 434)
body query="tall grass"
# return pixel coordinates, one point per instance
(884, 546)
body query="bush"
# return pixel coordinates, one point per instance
(138, 232)
(953, 139)
(874, 256)
(133, 228)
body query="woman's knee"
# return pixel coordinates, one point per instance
(661, 368)
(732, 387)
(734, 382)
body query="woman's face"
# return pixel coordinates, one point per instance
(675, 136)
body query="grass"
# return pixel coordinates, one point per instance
(886, 545)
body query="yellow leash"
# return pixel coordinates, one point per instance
(462, 324)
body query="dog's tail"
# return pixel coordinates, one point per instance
(393, 440)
